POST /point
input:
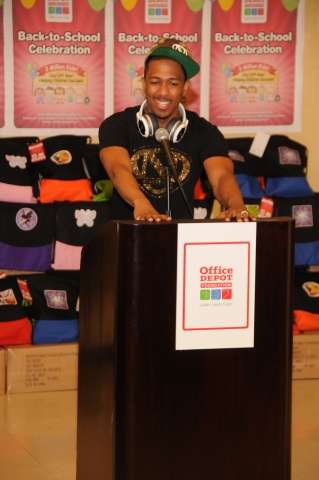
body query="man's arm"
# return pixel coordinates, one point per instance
(116, 162)
(220, 173)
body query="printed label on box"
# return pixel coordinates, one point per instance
(42, 368)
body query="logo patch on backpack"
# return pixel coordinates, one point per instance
(288, 156)
(303, 215)
(17, 161)
(56, 299)
(61, 157)
(26, 219)
(7, 297)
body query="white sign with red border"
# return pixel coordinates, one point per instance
(215, 298)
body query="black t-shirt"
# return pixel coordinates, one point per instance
(201, 141)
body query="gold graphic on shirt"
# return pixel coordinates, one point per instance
(147, 160)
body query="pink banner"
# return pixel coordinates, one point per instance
(252, 71)
(59, 70)
(139, 24)
(2, 106)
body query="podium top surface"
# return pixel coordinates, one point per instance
(206, 220)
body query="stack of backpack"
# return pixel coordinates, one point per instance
(279, 176)
(53, 199)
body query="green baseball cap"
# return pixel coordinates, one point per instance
(176, 50)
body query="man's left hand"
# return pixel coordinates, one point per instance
(241, 215)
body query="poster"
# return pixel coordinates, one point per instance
(58, 64)
(137, 26)
(253, 65)
(2, 105)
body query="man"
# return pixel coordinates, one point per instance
(135, 162)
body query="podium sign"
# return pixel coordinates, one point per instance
(215, 285)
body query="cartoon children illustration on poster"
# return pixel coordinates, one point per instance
(252, 82)
(136, 75)
(60, 79)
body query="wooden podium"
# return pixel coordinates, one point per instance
(149, 412)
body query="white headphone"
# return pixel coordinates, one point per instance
(147, 124)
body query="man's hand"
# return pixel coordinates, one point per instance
(220, 173)
(143, 210)
(240, 214)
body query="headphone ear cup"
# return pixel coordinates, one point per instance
(171, 124)
(143, 126)
(152, 123)
(147, 123)
(176, 129)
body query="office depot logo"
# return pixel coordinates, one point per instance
(216, 283)
(214, 275)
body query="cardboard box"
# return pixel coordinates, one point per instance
(2, 371)
(305, 363)
(42, 368)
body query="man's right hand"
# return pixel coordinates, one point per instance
(143, 210)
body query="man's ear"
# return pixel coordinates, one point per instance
(186, 85)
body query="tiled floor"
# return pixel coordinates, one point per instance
(38, 434)
(305, 430)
